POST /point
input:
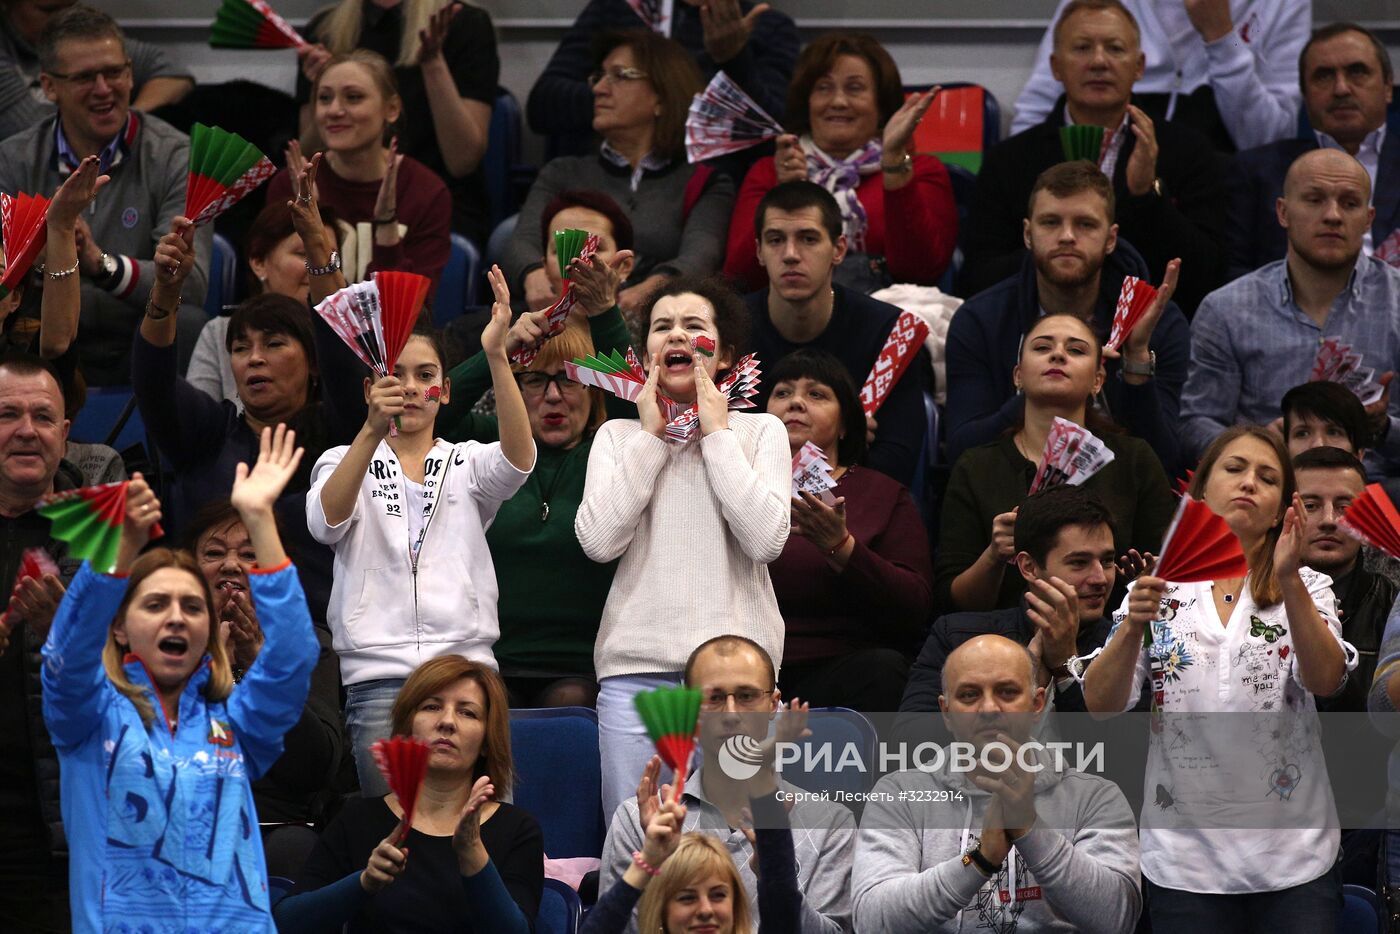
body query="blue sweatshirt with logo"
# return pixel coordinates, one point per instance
(160, 821)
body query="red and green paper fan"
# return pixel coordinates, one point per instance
(1199, 546)
(90, 520)
(671, 715)
(1081, 142)
(1373, 519)
(403, 761)
(251, 24)
(568, 244)
(23, 224)
(35, 563)
(224, 168)
(401, 296)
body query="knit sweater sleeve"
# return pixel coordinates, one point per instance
(19, 108)
(892, 574)
(753, 489)
(622, 469)
(1086, 879)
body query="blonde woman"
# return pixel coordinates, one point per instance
(158, 747)
(444, 61)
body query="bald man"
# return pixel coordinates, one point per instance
(1257, 337)
(1036, 848)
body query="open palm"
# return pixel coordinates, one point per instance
(256, 490)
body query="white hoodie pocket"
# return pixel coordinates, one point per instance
(363, 624)
(449, 610)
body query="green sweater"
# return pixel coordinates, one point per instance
(994, 478)
(551, 594)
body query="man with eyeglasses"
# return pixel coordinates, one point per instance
(1166, 177)
(87, 73)
(156, 79)
(739, 699)
(753, 43)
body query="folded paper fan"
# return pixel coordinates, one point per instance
(353, 314)
(401, 296)
(724, 119)
(1183, 484)
(612, 372)
(558, 315)
(224, 168)
(739, 385)
(1081, 142)
(90, 520)
(251, 24)
(1134, 299)
(901, 347)
(1373, 519)
(671, 715)
(24, 228)
(1072, 455)
(1199, 546)
(403, 762)
(35, 563)
(568, 244)
(812, 474)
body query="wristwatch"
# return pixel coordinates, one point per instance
(1074, 668)
(974, 857)
(107, 267)
(1141, 369)
(326, 270)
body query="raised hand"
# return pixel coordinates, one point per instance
(597, 283)
(35, 603)
(142, 513)
(1135, 563)
(174, 257)
(664, 829)
(312, 60)
(647, 801)
(1145, 601)
(1015, 790)
(1003, 544)
(74, 195)
(1137, 345)
(431, 38)
(493, 338)
(1378, 412)
(649, 402)
(386, 213)
(1288, 551)
(712, 404)
(466, 840)
(899, 129)
(306, 213)
(1142, 164)
(255, 490)
(386, 400)
(386, 863)
(239, 625)
(1211, 18)
(1053, 606)
(789, 161)
(727, 28)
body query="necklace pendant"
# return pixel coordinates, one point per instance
(544, 512)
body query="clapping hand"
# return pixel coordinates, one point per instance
(899, 129)
(1288, 551)
(466, 840)
(74, 195)
(35, 602)
(431, 38)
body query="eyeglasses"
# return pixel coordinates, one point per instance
(112, 74)
(536, 384)
(744, 699)
(616, 75)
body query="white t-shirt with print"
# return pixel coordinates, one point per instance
(1254, 772)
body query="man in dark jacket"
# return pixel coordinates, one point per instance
(1329, 478)
(34, 860)
(1346, 77)
(757, 48)
(1076, 265)
(1064, 540)
(1166, 176)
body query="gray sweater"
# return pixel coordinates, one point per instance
(823, 836)
(1076, 870)
(666, 239)
(129, 217)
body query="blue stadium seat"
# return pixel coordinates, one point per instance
(558, 778)
(964, 183)
(560, 909)
(458, 286)
(835, 728)
(278, 888)
(500, 239)
(223, 272)
(501, 164)
(100, 414)
(1362, 911)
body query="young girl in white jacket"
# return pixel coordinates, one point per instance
(407, 517)
(695, 524)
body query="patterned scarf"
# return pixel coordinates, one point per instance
(841, 178)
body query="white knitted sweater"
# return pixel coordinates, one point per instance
(696, 526)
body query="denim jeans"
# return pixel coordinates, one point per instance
(1308, 908)
(368, 705)
(623, 743)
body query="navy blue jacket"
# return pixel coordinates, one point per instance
(985, 337)
(1253, 236)
(561, 102)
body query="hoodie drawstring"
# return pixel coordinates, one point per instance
(962, 845)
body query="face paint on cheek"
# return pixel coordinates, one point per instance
(432, 394)
(703, 344)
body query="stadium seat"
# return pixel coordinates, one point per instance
(279, 888)
(1362, 911)
(100, 420)
(223, 272)
(506, 178)
(835, 728)
(558, 779)
(963, 122)
(964, 184)
(560, 909)
(457, 288)
(500, 239)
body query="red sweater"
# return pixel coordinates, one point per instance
(916, 235)
(882, 597)
(424, 207)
